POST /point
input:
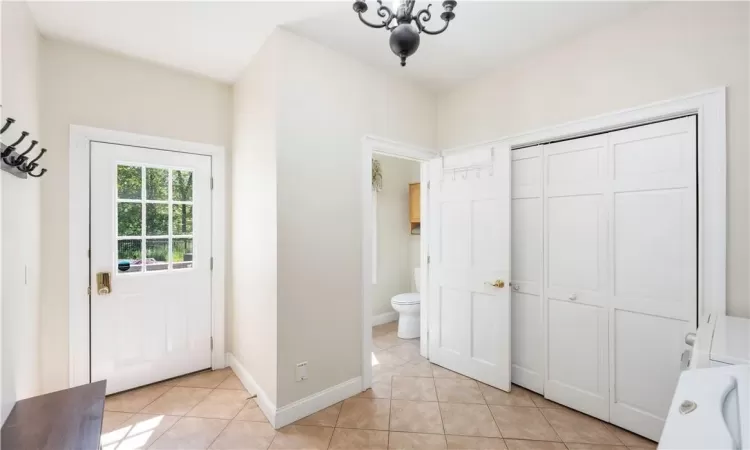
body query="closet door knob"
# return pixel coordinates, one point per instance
(573, 297)
(516, 286)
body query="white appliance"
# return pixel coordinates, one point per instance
(720, 341)
(711, 405)
(710, 410)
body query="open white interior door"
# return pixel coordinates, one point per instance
(469, 278)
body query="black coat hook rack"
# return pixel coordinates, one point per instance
(19, 163)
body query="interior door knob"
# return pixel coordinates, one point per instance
(516, 286)
(497, 284)
(104, 283)
(573, 297)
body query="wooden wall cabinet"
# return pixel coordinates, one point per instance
(414, 196)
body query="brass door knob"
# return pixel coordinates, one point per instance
(104, 283)
(497, 284)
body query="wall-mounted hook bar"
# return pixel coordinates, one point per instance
(16, 163)
(8, 122)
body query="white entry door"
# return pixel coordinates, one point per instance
(469, 252)
(151, 232)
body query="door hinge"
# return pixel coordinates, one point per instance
(212, 342)
(212, 263)
(89, 253)
(428, 259)
(428, 185)
(212, 182)
(88, 291)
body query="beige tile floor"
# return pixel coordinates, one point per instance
(412, 405)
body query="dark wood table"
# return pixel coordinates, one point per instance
(70, 419)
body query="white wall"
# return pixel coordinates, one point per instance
(395, 253)
(328, 102)
(251, 312)
(88, 87)
(20, 212)
(660, 52)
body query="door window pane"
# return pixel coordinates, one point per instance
(129, 180)
(182, 185)
(129, 255)
(182, 219)
(157, 184)
(157, 254)
(157, 219)
(129, 219)
(182, 253)
(166, 226)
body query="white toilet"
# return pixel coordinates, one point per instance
(407, 306)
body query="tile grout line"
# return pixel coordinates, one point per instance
(230, 420)
(180, 416)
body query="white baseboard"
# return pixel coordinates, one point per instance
(316, 402)
(301, 408)
(265, 403)
(380, 319)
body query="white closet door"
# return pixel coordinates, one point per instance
(577, 278)
(527, 343)
(654, 268)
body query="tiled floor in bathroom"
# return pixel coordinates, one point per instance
(412, 405)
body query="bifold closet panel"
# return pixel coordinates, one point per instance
(605, 264)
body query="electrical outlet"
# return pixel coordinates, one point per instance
(300, 373)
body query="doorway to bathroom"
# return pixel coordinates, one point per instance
(394, 259)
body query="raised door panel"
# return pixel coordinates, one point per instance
(646, 362)
(576, 248)
(578, 370)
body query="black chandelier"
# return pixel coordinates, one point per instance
(405, 36)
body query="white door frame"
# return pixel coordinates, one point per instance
(710, 107)
(370, 145)
(78, 238)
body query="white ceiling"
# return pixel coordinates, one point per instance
(218, 39)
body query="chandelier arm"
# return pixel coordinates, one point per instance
(384, 12)
(445, 27)
(418, 18)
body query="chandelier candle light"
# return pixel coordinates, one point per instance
(405, 35)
